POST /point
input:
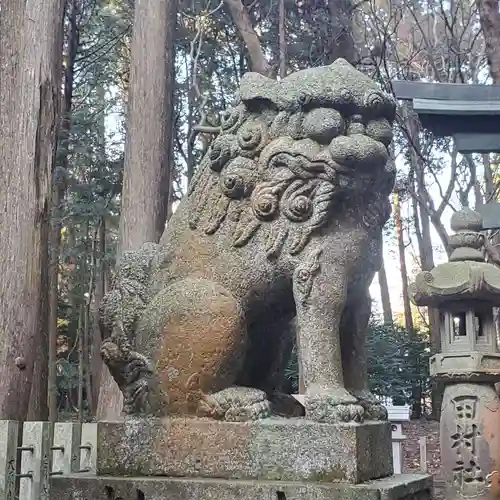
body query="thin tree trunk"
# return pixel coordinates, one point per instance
(384, 295)
(422, 225)
(402, 264)
(341, 42)
(30, 56)
(243, 23)
(100, 290)
(476, 185)
(81, 362)
(423, 234)
(86, 358)
(191, 142)
(282, 42)
(148, 144)
(409, 326)
(427, 264)
(426, 253)
(489, 184)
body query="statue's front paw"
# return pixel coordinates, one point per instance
(334, 406)
(374, 410)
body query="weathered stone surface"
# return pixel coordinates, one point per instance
(66, 451)
(402, 487)
(9, 430)
(462, 367)
(283, 218)
(273, 449)
(88, 449)
(35, 461)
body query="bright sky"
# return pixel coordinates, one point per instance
(391, 257)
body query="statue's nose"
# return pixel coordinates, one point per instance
(359, 151)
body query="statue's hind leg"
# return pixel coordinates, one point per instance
(259, 387)
(194, 332)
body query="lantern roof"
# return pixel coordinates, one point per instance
(466, 276)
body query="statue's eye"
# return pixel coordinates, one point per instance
(303, 275)
(346, 96)
(375, 101)
(303, 99)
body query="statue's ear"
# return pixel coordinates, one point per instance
(255, 86)
(258, 91)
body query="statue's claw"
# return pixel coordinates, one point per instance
(235, 404)
(374, 410)
(334, 406)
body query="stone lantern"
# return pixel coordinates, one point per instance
(465, 290)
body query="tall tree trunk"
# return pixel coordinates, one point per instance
(423, 225)
(38, 409)
(384, 295)
(148, 144)
(59, 188)
(409, 326)
(402, 264)
(99, 286)
(489, 184)
(30, 55)
(423, 233)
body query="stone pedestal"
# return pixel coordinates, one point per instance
(272, 459)
(270, 449)
(402, 487)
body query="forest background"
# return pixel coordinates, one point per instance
(127, 96)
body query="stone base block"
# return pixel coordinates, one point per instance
(401, 487)
(274, 449)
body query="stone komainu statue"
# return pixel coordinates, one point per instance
(279, 235)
